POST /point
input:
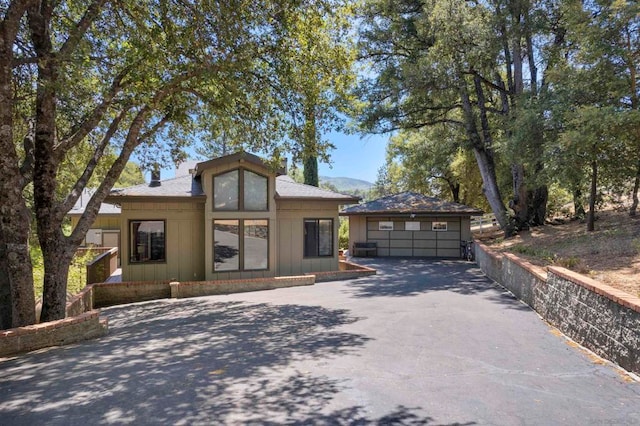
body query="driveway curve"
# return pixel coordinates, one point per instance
(424, 342)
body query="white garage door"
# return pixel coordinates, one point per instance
(427, 237)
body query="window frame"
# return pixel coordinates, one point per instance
(439, 228)
(304, 238)
(133, 242)
(241, 245)
(241, 204)
(385, 225)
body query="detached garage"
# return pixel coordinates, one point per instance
(409, 224)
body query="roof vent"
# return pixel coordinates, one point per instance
(155, 178)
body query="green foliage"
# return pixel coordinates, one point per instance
(559, 199)
(37, 264)
(539, 253)
(542, 128)
(343, 233)
(130, 176)
(78, 271)
(77, 278)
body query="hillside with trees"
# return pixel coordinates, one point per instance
(506, 103)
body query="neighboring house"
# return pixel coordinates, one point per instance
(411, 224)
(232, 217)
(105, 230)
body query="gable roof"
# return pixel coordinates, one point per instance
(178, 187)
(411, 202)
(190, 187)
(83, 200)
(287, 188)
(232, 158)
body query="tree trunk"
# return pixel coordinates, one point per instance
(538, 205)
(591, 218)
(5, 289)
(57, 258)
(48, 219)
(634, 194)
(578, 208)
(486, 164)
(310, 143)
(311, 171)
(17, 301)
(519, 202)
(491, 191)
(454, 187)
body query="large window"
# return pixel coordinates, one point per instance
(147, 241)
(318, 237)
(225, 191)
(226, 245)
(233, 253)
(240, 190)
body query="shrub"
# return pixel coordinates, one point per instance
(343, 234)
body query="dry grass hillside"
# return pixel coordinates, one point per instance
(610, 254)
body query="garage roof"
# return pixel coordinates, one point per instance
(411, 202)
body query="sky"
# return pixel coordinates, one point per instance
(355, 156)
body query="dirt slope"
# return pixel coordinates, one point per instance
(610, 254)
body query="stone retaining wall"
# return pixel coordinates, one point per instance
(109, 294)
(208, 288)
(85, 326)
(83, 321)
(348, 271)
(599, 317)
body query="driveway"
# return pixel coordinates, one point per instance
(423, 343)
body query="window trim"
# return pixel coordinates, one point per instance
(241, 171)
(385, 225)
(333, 235)
(131, 243)
(439, 229)
(241, 245)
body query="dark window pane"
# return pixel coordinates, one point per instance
(147, 241)
(226, 246)
(225, 191)
(255, 191)
(325, 237)
(310, 238)
(256, 244)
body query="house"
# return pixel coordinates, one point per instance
(105, 230)
(410, 224)
(232, 217)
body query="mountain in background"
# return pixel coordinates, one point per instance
(345, 184)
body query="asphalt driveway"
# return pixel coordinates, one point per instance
(423, 342)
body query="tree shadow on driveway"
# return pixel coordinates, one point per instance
(402, 277)
(191, 361)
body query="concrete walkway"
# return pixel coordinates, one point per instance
(424, 342)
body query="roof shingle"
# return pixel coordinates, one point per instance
(410, 202)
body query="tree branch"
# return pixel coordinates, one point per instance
(484, 80)
(132, 140)
(10, 25)
(82, 181)
(80, 29)
(79, 132)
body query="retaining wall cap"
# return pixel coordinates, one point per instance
(618, 296)
(492, 253)
(536, 270)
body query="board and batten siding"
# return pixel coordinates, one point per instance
(210, 215)
(291, 216)
(184, 238)
(109, 222)
(419, 243)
